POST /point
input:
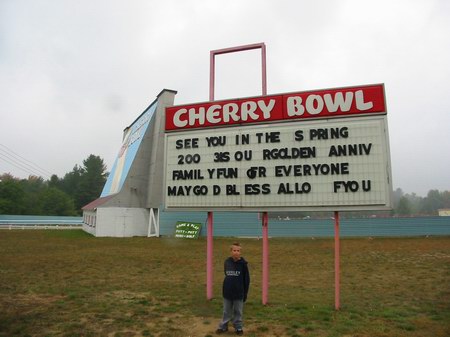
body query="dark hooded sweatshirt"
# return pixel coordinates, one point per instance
(237, 279)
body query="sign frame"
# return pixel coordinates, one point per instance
(379, 116)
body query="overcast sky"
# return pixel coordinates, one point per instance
(74, 74)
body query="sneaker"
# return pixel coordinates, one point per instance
(239, 332)
(220, 331)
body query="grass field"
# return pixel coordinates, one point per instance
(67, 283)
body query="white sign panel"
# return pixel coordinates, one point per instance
(329, 164)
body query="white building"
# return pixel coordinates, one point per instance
(130, 201)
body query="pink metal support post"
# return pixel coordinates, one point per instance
(337, 303)
(209, 258)
(265, 258)
(212, 64)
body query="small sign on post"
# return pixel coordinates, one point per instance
(187, 230)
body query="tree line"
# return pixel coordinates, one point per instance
(67, 195)
(56, 196)
(412, 204)
(405, 205)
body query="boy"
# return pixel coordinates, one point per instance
(234, 290)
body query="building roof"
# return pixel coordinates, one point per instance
(97, 202)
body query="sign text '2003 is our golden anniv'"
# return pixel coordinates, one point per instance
(330, 153)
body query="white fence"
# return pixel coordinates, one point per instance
(37, 222)
(31, 226)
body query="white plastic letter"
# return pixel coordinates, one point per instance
(197, 116)
(213, 114)
(266, 109)
(310, 104)
(360, 104)
(339, 101)
(248, 108)
(294, 106)
(230, 110)
(176, 118)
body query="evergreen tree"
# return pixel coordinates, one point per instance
(92, 180)
(71, 181)
(55, 182)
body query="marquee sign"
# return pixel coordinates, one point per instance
(310, 104)
(315, 160)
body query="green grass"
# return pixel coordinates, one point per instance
(68, 283)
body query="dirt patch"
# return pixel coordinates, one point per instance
(25, 303)
(203, 327)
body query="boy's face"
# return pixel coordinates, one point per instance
(235, 252)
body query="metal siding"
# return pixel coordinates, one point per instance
(249, 225)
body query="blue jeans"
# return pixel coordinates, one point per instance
(232, 310)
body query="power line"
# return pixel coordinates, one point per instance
(22, 168)
(22, 163)
(29, 161)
